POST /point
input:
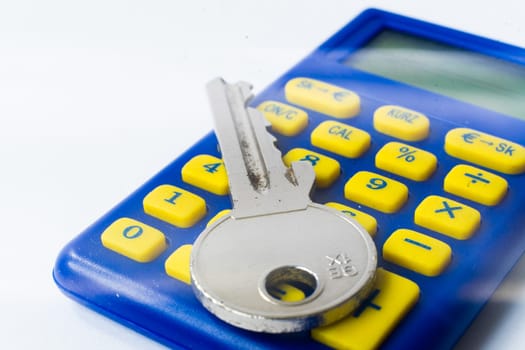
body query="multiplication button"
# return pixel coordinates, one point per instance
(448, 217)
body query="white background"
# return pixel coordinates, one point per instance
(97, 96)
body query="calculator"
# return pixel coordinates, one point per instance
(413, 130)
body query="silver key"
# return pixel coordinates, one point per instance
(276, 240)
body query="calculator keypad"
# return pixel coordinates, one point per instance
(419, 252)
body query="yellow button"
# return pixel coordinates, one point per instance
(326, 169)
(322, 97)
(448, 217)
(285, 119)
(287, 292)
(475, 184)
(218, 216)
(368, 327)
(376, 191)
(174, 205)
(178, 264)
(367, 221)
(407, 161)
(403, 123)
(417, 252)
(134, 239)
(486, 150)
(206, 172)
(341, 139)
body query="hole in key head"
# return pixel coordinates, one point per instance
(290, 284)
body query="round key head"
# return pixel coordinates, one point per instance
(283, 272)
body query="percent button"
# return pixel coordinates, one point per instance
(407, 161)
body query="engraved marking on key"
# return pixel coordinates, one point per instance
(275, 235)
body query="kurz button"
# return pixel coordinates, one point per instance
(400, 122)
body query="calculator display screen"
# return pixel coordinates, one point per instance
(468, 76)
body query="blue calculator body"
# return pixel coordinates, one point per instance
(413, 129)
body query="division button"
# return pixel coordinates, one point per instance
(475, 184)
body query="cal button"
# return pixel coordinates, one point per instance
(486, 150)
(402, 123)
(340, 139)
(285, 119)
(322, 97)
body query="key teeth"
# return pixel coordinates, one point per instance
(246, 90)
(304, 175)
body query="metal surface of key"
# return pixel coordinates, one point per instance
(276, 244)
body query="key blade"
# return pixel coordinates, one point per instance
(259, 181)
